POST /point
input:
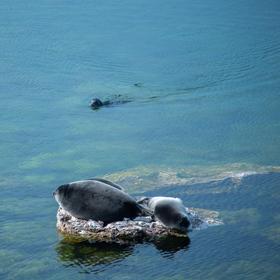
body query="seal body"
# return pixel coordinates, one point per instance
(96, 103)
(107, 182)
(96, 200)
(168, 210)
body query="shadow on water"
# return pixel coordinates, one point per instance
(87, 255)
(169, 246)
(90, 257)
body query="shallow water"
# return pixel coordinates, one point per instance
(205, 107)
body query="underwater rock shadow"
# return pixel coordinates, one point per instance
(90, 257)
(169, 246)
(87, 256)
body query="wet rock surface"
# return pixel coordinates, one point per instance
(130, 231)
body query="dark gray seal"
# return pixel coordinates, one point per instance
(97, 200)
(107, 182)
(168, 210)
(117, 99)
(96, 103)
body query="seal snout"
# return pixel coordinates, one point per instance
(60, 192)
(185, 223)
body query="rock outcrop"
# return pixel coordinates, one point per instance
(127, 231)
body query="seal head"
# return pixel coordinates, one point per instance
(96, 103)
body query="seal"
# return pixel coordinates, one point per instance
(168, 210)
(96, 200)
(108, 183)
(96, 103)
(117, 99)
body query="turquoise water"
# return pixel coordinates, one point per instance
(206, 107)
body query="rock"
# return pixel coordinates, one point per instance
(122, 232)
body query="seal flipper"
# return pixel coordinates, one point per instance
(107, 182)
(145, 211)
(142, 202)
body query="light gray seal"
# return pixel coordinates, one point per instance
(97, 200)
(168, 210)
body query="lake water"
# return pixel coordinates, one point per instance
(203, 125)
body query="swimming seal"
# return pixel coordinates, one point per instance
(168, 210)
(96, 200)
(96, 103)
(117, 99)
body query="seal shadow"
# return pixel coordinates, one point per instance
(91, 257)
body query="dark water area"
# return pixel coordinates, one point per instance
(202, 81)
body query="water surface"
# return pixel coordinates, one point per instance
(205, 106)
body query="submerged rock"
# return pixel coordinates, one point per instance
(127, 231)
